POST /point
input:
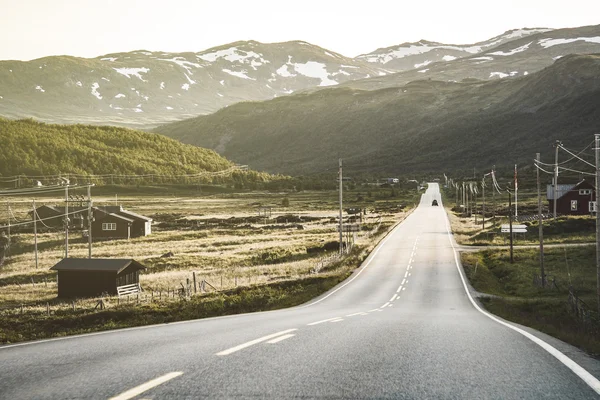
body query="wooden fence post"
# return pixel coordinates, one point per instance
(195, 289)
(47, 306)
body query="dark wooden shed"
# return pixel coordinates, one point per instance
(88, 277)
(572, 199)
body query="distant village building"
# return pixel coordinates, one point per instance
(109, 222)
(572, 199)
(89, 277)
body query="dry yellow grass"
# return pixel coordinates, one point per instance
(223, 255)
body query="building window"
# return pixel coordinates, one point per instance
(573, 205)
(583, 192)
(109, 226)
(592, 206)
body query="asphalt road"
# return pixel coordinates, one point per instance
(403, 326)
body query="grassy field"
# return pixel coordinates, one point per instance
(517, 298)
(218, 236)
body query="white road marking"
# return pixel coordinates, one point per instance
(588, 378)
(280, 338)
(370, 258)
(406, 273)
(403, 288)
(385, 305)
(409, 274)
(390, 305)
(399, 289)
(403, 280)
(253, 342)
(321, 321)
(407, 281)
(131, 393)
(373, 310)
(393, 297)
(337, 320)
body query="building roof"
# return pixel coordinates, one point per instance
(115, 265)
(561, 190)
(105, 214)
(134, 215)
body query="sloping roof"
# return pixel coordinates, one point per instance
(134, 215)
(101, 214)
(561, 190)
(115, 265)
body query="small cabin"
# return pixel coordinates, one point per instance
(89, 277)
(572, 199)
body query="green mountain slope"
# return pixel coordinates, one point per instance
(422, 126)
(33, 148)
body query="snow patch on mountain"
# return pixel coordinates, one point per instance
(424, 63)
(162, 85)
(112, 59)
(238, 74)
(414, 49)
(553, 42)
(498, 74)
(483, 58)
(182, 62)
(95, 87)
(423, 70)
(283, 71)
(185, 86)
(313, 69)
(511, 52)
(132, 71)
(448, 58)
(78, 83)
(38, 87)
(120, 95)
(233, 54)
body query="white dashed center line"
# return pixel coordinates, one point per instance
(131, 393)
(280, 338)
(253, 342)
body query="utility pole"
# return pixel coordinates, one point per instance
(8, 213)
(555, 183)
(483, 204)
(540, 223)
(597, 148)
(341, 234)
(516, 191)
(67, 221)
(494, 193)
(35, 234)
(89, 194)
(510, 226)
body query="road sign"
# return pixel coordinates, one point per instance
(350, 228)
(518, 230)
(507, 226)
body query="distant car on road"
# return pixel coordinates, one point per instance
(434, 203)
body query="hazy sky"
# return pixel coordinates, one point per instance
(88, 28)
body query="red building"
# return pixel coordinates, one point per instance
(572, 199)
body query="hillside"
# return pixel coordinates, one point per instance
(422, 126)
(32, 148)
(142, 88)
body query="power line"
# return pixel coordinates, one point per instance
(576, 156)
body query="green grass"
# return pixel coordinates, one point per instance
(517, 299)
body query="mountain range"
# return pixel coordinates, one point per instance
(425, 125)
(145, 89)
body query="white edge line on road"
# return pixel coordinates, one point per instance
(323, 320)
(394, 297)
(373, 310)
(403, 280)
(588, 378)
(337, 320)
(370, 258)
(385, 305)
(399, 289)
(406, 273)
(280, 338)
(253, 342)
(131, 393)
